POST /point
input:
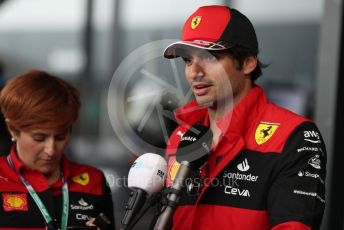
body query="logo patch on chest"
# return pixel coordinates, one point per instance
(82, 179)
(173, 170)
(14, 202)
(265, 131)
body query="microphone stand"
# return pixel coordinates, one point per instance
(164, 220)
(134, 203)
(154, 198)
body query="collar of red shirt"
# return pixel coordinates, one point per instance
(236, 122)
(21, 167)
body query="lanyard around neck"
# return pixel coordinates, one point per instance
(39, 203)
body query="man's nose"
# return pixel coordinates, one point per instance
(197, 71)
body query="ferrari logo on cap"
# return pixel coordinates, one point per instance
(265, 131)
(82, 179)
(14, 202)
(195, 22)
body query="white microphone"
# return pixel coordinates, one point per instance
(146, 177)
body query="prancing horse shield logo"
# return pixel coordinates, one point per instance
(264, 132)
(195, 22)
(82, 179)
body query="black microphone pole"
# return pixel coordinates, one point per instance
(136, 200)
(164, 220)
(192, 153)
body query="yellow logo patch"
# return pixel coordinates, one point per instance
(173, 170)
(195, 22)
(82, 179)
(265, 131)
(15, 202)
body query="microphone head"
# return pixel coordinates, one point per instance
(148, 173)
(195, 146)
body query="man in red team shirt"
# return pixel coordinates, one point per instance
(267, 165)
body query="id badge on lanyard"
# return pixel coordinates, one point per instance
(51, 224)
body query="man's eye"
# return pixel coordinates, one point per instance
(186, 60)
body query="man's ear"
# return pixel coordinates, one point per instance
(250, 64)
